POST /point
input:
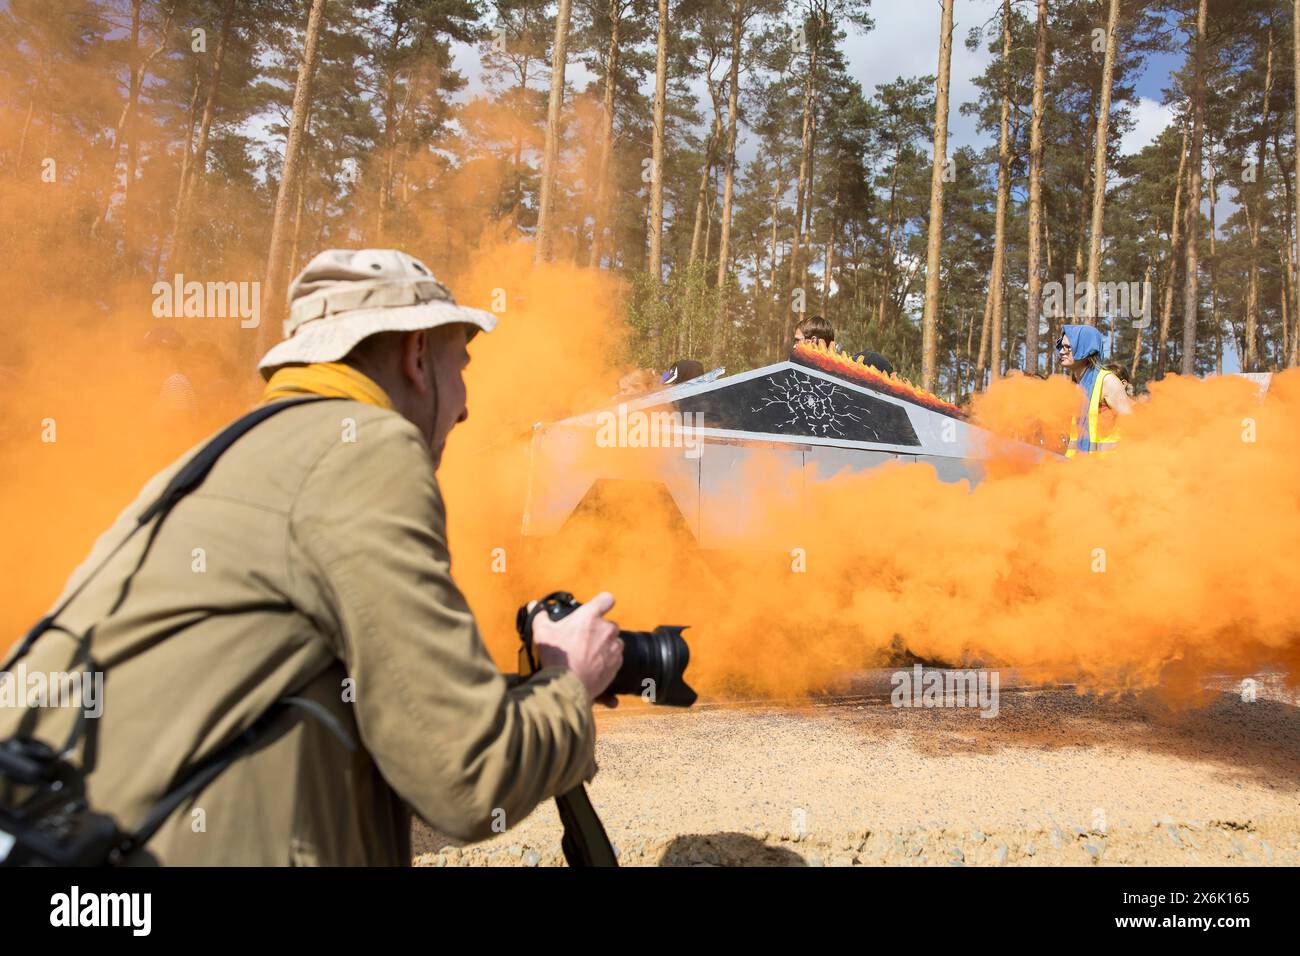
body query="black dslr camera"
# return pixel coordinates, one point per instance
(653, 661)
(44, 818)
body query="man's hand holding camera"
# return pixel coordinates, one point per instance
(585, 643)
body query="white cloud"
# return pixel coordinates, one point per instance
(905, 42)
(1150, 119)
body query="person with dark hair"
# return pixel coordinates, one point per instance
(1118, 369)
(881, 363)
(637, 382)
(683, 370)
(165, 348)
(815, 329)
(1079, 349)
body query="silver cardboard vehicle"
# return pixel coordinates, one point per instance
(709, 440)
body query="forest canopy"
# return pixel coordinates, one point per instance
(721, 158)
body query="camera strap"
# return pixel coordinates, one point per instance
(279, 717)
(186, 480)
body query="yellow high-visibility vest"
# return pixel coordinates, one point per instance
(1091, 415)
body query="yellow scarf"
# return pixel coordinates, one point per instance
(331, 379)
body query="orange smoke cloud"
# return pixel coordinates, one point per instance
(83, 428)
(1162, 563)
(1159, 564)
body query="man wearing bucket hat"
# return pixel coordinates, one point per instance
(309, 573)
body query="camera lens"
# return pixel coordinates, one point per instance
(654, 662)
(653, 666)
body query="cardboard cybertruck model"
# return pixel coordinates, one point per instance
(711, 442)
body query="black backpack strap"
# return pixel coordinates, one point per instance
(189, 477)
(278, 717)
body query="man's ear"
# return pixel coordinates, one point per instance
(416, 360)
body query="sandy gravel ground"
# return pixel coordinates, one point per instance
(1055, 779)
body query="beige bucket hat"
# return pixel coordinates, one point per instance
(345, 295)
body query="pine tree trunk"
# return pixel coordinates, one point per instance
(130, 247)
(1191, 290)
(1295, 286)
(710, 197)
(964, 376)
(729, 157)
(1250, 362)
(187, 158)
(656, 263)
(393, 116)
(1081, 235)
(1287, 249)
(808, 203)
(1004, 177)
(777, 188)
(702, 194)
(887, 278)
(1034, 304)
(1099, 163)
(1054, 322)
(390, 157)
(981, 363)
(277, 261)
(299, 203)
(1175, 236)
(1213, 264)
(1286, 296)
(130, 132)
(125, 120)
(1009, 339)
(934, 244)
(1137, 335)
(830, 257)
(430, 78)
(194, 172)
(551, 148)
(805, 159)
(604, 188)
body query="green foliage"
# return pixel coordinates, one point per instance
(675, 320)
(403, 148)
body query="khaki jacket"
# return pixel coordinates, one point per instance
(315, 564)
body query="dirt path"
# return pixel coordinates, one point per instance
(1054, 779)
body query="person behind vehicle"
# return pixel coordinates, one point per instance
(1119, 370)
(164, 347)
(312, 563)
(681, 372)
(876, 361)
(815, 329)
(1104, 398)
(639, 381)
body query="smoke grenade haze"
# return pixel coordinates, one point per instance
(1171, 560)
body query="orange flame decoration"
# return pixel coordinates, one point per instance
(837, 363)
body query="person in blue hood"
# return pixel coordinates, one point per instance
(1104, 398)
